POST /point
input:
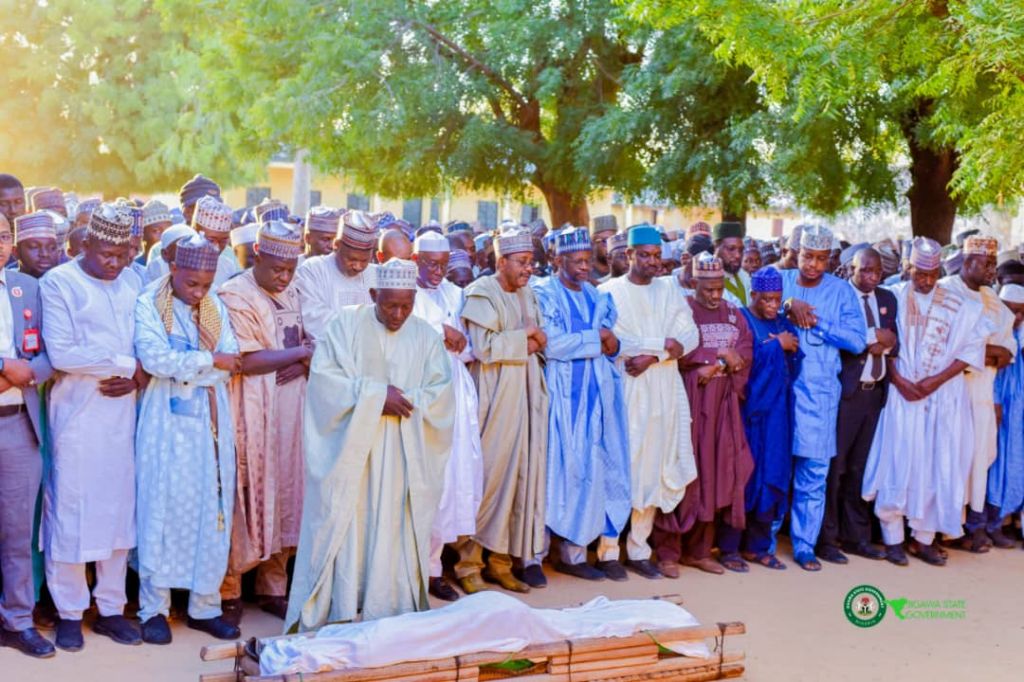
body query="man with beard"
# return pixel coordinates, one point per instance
(728, 239)
(603, 228)
(618, 261)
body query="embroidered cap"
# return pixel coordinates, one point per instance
(619, 240)
(978, 245)
(49, 198)
(572, 240)
(270, 209)
(459, 259)
(397, 274)
(706, 266)
(279, 239)
(211, 214)
(155, 212)
(604, 223)
(431, 242)
(925, 254)
(110, 223)
(816, 238)
(36, 225)
(512, 242)
(323, 219)
(359, 230)
(196, 253)
(766, 280)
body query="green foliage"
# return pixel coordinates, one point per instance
(97, 97)
(864, 66)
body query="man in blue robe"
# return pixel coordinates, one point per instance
(825, 310)
(1005, 494)
(588, 468)
(768, 415)
(185, 444)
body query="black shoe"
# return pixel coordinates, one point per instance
(216, 627)
(69, 635)
(926, 553)
(440, 588)
(28, 642)
(866, 550)
(613, 569)
(231, 611)
(832, 554)
(1000, 540)
(582, 570)
(275, 606)
(894, 554)
(532, 575)
(117, 628)
(156, 631)
(643, 567)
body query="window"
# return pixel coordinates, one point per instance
(412, 211)
(529, 214)
(357, 202)
(315, 197)
(487, 214)
(435, 209)
(254, 195)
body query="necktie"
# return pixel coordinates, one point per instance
(876, 360)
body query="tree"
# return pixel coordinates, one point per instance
(97, 98)
(688, 128)
(934, 83)
(410, 98)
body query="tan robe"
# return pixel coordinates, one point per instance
(268, 426)
(513, 417)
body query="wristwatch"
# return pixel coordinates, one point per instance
(1, 365)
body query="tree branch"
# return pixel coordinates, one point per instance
(473, 62)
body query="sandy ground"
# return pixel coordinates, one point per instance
(796, 629)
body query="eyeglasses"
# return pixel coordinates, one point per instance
(6, 237)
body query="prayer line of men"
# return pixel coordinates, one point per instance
(396, 436)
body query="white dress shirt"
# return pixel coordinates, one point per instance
(8, 350)
(872, 335)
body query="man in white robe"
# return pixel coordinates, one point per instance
(345, 277)
(973, 282)
(439, 302)
(378, 432)
(89, 499)
(925, 436)
(655, 328)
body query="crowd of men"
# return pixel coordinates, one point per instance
(331, 400)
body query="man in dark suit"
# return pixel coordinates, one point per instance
(865, 383)
(23, 367)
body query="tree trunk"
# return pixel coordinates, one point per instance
(565, 209)
(932, 207)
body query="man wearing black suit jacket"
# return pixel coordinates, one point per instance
(865, 385)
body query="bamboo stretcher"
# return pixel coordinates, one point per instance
(638, 658)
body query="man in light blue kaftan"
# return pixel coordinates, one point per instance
(185, 458)
(1005, 495)
(827, 316)
(588, 468)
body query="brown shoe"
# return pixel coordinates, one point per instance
(275, 606)
(507, 581)
(707, 564)
(439, 587)
(669, 569)
(473, 583)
